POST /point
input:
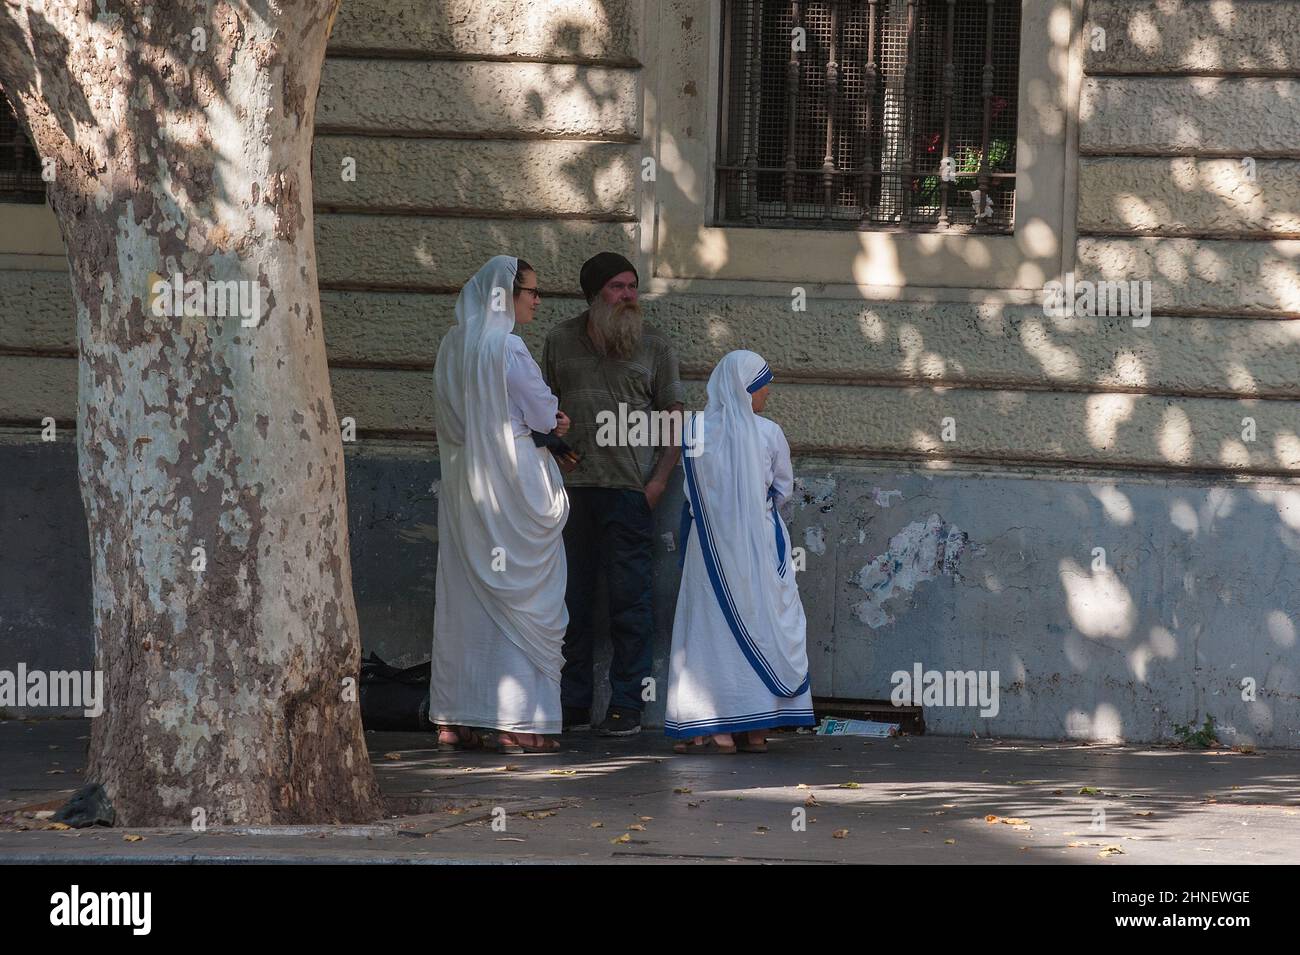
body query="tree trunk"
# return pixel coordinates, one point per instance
(181, 134)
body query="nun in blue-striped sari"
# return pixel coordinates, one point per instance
(739, 661)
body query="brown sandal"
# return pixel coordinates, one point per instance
(508, 744)
(709, 747)
(466, 738)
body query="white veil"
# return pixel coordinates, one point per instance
(506, 539)
(725, 471)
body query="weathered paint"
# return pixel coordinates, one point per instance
(1199, 588)
(921, 551)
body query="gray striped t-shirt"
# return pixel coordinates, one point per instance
(587, 383)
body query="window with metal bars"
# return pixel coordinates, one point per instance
(20, 164)
(869, 114)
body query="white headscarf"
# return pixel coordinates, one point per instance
(726, 487)
(484, 516)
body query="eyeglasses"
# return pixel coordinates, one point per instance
(537, 293)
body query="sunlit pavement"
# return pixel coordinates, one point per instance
(810, 799)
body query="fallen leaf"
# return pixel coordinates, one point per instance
(991, 818)
(840, 833)
(681, 791)
(850, 785)
(950, 842)
(563, 772)
(1089, 791)
(1144, 812)
(508, 768)
(597, 825)
(58, 825)
(540, 814)
(392, 756)
(637, 827)
(1012, 821)
(802, 786)
(132, 837)
(811, 800)
(646, 818)
(692, 805)
(54, 772)
(1110, 851)
(625, 837)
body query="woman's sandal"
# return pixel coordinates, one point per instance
(508, 744)
(748, 747)
(465, 739)
(709, 747)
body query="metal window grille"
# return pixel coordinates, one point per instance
(851, 130)
(20, 164)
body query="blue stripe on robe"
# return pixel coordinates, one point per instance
(722, 592)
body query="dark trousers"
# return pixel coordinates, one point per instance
(609, 528)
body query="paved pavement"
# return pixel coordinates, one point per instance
(916, 799)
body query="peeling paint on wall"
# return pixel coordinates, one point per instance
(923, 550)
(817, 492)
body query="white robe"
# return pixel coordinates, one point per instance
(500, 617)
(713, 685)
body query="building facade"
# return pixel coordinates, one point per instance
(996, 473)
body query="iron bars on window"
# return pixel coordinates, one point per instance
(869, 114)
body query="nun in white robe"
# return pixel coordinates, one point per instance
(739, 658)
(500, 617)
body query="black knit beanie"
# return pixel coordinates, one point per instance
(599, 269)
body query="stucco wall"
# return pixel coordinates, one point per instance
(483, 127)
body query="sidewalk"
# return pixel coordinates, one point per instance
(920, 799)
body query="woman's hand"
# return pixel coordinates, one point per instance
(562, 424)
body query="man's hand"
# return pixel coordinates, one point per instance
(562, 423)
(654, 490)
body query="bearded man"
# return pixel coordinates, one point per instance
(606, 357)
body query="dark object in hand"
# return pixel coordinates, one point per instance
(564, 454)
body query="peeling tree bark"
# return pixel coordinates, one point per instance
(190, 152)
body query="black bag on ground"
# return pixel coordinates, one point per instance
(89, 806)
(393, 699)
